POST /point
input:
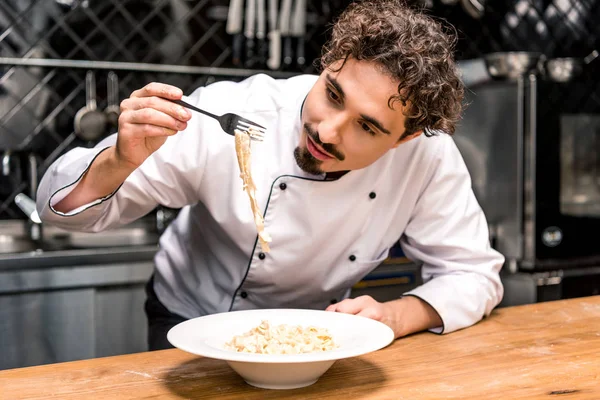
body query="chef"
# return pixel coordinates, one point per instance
(353, 161)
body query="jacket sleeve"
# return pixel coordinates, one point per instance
(170, 176)
(448, 234)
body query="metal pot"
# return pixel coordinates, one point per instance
(511, 65)
(566, 68)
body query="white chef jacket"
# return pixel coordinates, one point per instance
(327, 234)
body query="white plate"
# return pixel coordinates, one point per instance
(206, 336)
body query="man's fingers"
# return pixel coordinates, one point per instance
(156, 103)
(371, 312)
(160, 90)
(148, 116)
(146, 130)
(364, 306)
(349, 306)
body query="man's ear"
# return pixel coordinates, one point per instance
(406, 138)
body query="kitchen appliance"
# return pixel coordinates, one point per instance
(532, 146)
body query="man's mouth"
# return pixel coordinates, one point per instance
(315, 151)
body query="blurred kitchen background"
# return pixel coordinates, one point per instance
(530, 137)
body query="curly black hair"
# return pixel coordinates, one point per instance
(414, 49)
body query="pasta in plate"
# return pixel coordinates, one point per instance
(282, 339)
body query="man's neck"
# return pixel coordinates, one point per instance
(332, 176)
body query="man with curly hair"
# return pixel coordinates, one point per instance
(354, 160)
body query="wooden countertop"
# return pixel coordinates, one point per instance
(540, 351)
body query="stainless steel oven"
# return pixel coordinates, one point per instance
(532, 146)
(567, 178)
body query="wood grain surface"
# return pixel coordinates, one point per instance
(541, 351)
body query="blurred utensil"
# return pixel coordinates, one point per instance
(249, 32)
(261, 34)
(274, 61)
(475, 8)
(6, 163)
(511, 65)
(27, 205)
(284, 27)
(234, 28)
(298, 30)
(565, 69)
(90, 123)
(112, 110)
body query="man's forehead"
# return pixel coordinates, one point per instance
(371, 104)
(366, 72)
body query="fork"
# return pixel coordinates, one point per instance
(230, 122)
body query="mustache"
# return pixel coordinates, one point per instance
(328, 147)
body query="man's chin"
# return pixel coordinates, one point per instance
(306, 162)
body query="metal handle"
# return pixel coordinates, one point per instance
(6, 163)
(272, 4)
(298, 18)
(299, 30)
(284, 17)
(261, 21)
(27, 205)
(591, 57)
(33, 175)
(287, 51)
(274, 60)
(234, 17)
(113, 89)
(250, 19)
(191, 107)
(90, 90)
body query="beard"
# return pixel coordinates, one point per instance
(306, 161)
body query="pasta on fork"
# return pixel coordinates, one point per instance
(243, 151)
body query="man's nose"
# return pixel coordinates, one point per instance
(330, 129)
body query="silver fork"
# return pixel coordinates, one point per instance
(230, 122)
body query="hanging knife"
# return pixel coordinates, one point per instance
(249, 32)
(261, 29)
(274, 61)
(284, 26)
(234, 28)
(299, 30)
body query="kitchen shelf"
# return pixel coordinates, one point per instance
(139, 67)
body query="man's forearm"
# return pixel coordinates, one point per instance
(411, 314)
(103, 177)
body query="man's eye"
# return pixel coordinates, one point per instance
(365, 127)
(332, 95)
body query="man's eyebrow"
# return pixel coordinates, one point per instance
(375, 123)
(338, 88)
